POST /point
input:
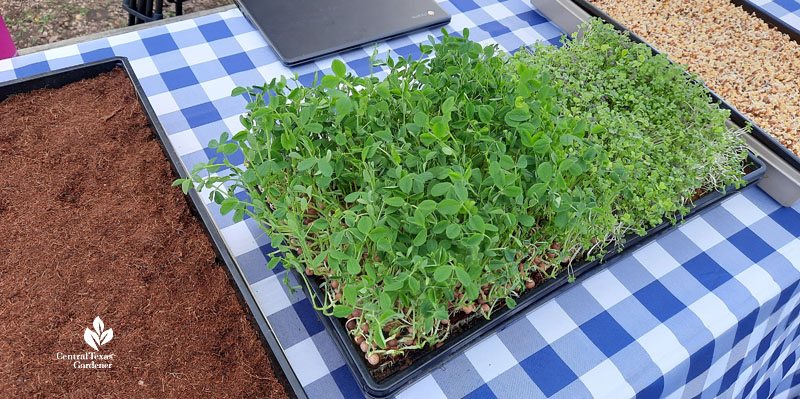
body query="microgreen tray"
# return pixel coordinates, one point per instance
(782, 178)
(480, 327)
(737, 117)
(65, 76)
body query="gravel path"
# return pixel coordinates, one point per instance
(36, 22)
(753, 67)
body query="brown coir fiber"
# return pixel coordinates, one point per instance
(89, 226)
(752, 66)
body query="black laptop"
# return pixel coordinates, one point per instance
(301, 30)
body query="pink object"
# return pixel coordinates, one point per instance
(7, 48)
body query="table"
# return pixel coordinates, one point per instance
(709, 309)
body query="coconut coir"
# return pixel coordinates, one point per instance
(89, 226)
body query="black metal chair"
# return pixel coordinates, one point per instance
(141, 11)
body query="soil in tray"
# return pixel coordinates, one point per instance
(89, 226)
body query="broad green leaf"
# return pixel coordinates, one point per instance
(440, 189)
(393, 285)
(473, 240)
(541, 146)
(453, 231)
(448, 206)
(379, 233)
(566, 164)
(463, 277)
(485, 113)
(353, 267)
(518, 115)
(405, 184)
(442, 273)
(314, 127)
(511, 303)
(394, 201)
(460, 191)
(476, 223)
(384, 135)
(229, 148)
(330, 81)
(350, 294)
(273, 262)
(420, 238)
(338, 68)
(421, 119)
(413, 284)
(440, 226)
(526, 220)
(344, 106)
(320, 224)
(352, 197)
(228, 204)
(364, 224)
(288, 141)
(561, 219)
(324, 167)
(427, 139)
(545, 171)
(342, 310)
(383, 90)
(185, 185)
(512, 191)
(385, 301)
(306, 164)
(426, 206)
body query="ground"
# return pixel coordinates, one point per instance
(35, 22)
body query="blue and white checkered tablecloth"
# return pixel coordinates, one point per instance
(787, 11)
(709, 309)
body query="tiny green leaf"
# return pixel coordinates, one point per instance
(342, 310)
(338, 68)
(228, 205)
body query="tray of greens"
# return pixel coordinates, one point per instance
(422, 210)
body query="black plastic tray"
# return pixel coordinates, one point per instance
(481, 327)
(737, 117)
(455, 344)
(65, 76)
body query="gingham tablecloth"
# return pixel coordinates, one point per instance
(709, 309)
(787, 11)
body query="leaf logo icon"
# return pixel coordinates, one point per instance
(98, 337)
